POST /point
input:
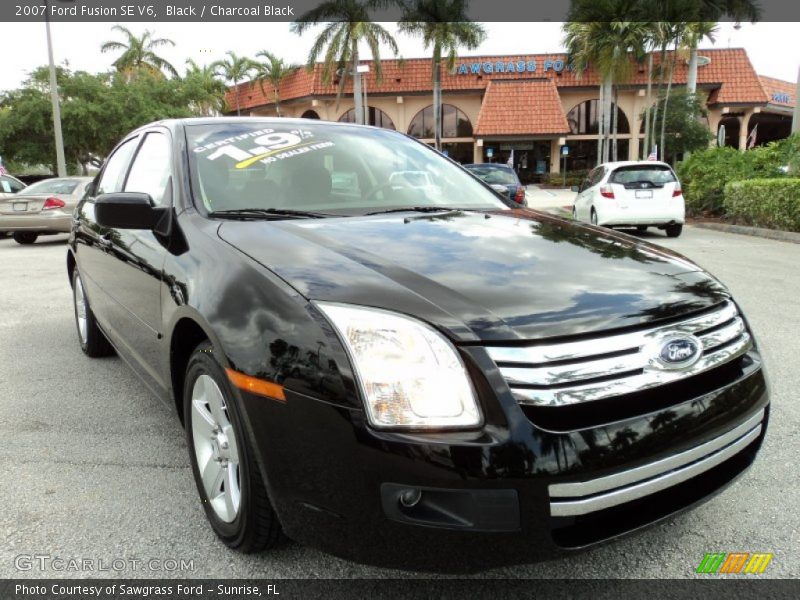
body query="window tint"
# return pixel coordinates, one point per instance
(655, 174)
(116, 166)
(597, 175)
(151, 168)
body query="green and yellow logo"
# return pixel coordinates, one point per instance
(734, 562)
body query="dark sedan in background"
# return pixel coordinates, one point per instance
(501, 178)
(374, 354)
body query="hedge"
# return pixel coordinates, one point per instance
(557, 179)
(705, 174)
(771, 203)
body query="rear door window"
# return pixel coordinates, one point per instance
(150, 173)
(113, 177)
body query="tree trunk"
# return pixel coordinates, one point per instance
(691, 77)
(607, 119)
(616, 124)
(358, 100)
(647, 103)
(659, 154)
(437, 99)
(236, 93)
(600, 113)
(277, 100)
(666, 102)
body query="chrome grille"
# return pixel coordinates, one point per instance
(603, 367)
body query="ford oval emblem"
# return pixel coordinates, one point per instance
(679, 351)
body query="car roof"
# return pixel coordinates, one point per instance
(173, 123)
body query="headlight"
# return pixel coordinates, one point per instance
(410, 375)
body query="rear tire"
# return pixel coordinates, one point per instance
(641, 228)
(674, 231)
(93, 341)
(574, 213)
(25, 237)
(233, 493)
(594, 216)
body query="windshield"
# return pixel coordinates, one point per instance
(335, 169)
(495, 175)
(53, 186)
(655, 174)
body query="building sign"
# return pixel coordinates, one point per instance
(783, 98)
(512, 66)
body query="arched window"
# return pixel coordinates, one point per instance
(584, 119)
(454, 123)
(376, 117)
(310, 114)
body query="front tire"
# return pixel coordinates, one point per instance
(674, 231)
(93, 341)
(225, 470)
(25, 237)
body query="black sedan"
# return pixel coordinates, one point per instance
(374, 354)
(501, 178)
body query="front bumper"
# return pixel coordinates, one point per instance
(510, 493)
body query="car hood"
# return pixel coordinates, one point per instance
(509, 275)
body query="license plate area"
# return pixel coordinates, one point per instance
(19, 206)
(644, 194)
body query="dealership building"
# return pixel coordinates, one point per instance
(534, 105)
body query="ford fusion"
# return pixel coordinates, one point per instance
(371, 352)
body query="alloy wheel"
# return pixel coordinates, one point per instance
(215, 449)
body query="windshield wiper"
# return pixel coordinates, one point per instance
(422, 209)
(256, 213)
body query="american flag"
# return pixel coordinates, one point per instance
(510, 161)
(3, 169)
(653, 154)
(751, 140)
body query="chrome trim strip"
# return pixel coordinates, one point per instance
(626, 385)
(627, 494)
(725, 334)
(659, 467)
(608, 344)
(574, 372)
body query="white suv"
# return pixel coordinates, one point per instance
(631, 194)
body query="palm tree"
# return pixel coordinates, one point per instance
(348, 24)
(138, 53)
(209, 92)
(273, 70)
(695, 33)
(234, 69)
(443, 26)
(606, 46)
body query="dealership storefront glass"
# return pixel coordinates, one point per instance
(531, 158)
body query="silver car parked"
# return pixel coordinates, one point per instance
(42, 208)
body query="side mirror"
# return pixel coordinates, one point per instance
(128, 210)
(575, 188)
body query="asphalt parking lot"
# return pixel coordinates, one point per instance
(96, 468)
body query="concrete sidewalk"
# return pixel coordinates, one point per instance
(543, 199)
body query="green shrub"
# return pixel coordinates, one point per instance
(705, 174)
(771, 203)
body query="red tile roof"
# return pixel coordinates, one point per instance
(777, 87)
(730, 73)
(521, 107)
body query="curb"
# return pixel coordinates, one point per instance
(773, 234)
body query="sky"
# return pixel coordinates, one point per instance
(772, 47)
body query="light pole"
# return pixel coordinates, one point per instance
(361, 70)
(59, 139)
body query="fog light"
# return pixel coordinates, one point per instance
(409, 498)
